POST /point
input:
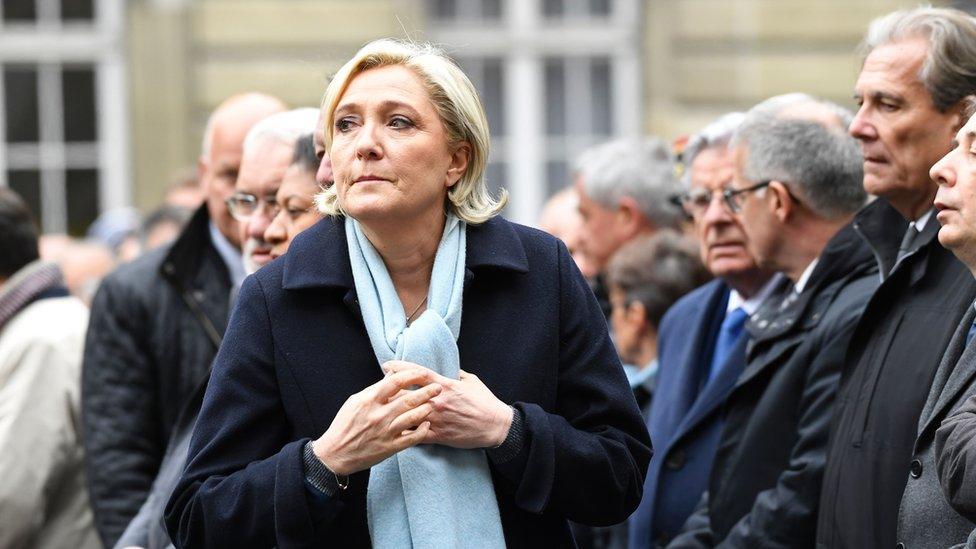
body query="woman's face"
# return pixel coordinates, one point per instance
(391, 159)
(296, 209)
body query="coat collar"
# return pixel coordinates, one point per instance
(882, 227)
(183, 259)
(319, 256)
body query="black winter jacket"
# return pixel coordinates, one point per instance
(893, 356)
(156, 324)
(765, 482)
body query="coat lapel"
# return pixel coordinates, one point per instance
(713, 395)
(956, 369)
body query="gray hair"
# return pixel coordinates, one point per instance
(642, 170)
(284, 127)
(948, 72)
(657, 270)
(821, 164)
(717, 134)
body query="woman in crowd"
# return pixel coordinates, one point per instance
(417, 372)
(296, 209)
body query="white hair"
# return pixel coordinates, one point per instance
(641, 169)
(717, 134)
(284, 127)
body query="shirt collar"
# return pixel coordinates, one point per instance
(923, 220)
(230, 255)
(805, 277)
(752, 304)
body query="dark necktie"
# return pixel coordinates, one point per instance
(728, 335)
(907, 241)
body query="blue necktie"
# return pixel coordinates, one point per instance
(972, 332)
(728, 335)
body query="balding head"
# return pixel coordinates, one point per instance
(223, 144)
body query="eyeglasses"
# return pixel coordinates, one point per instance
(694, 202)
(733, 197)
(243, 205)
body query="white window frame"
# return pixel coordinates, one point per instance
(523, 39)
(48, 41)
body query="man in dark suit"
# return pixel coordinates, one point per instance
(696, 370)
(911, 89)
(926, 517)
(796, 187)
(155, 327)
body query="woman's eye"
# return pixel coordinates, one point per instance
(400, 122)
(343, 125)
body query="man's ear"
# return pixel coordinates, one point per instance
(460, 157)
(202, 166)
(630, 215)
(780, 200)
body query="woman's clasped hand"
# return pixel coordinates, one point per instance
(412, 405)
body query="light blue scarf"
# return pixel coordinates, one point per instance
(429, 495)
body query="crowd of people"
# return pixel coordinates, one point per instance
(330, 337)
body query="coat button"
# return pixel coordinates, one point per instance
(675, 460)
(915, 469)
(899, 545)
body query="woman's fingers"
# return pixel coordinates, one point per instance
(392, 384)
(412, 438)
(410, 419)
(406, 400)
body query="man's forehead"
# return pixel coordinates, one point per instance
(892, 67)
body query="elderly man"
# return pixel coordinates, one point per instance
(918, 70)
(155, 327)
(268, 152)
(926, 517)
(623, 189)
(43, 501)
(701, 345)
(796, 187)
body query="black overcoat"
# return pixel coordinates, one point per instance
(765, 482)
(296, 349)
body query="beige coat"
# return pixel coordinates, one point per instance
(43, 501)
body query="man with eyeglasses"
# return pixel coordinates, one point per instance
(155, 327)
(268, 151)
(795, 189)
(701, 345)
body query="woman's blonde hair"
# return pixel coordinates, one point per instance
(457, 104)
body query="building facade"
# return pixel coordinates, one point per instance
(104, 101)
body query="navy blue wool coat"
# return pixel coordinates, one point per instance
(296, 349)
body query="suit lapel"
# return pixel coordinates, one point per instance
(955, 371)
(717, 389)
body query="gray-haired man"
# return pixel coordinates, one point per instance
(623, 189)
(921, 63)
(796, 186)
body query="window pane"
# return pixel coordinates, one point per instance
(553, 8)
(600, 7)
(19, 11)
(555, 94)
(492, 93)
(491, 9)
(81, 188)
(557, 176)
(443, 9)
(20, 103)
(601, 93)
(27, 183)
(78, 94)
(77, 10)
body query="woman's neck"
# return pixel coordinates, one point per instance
(408, 253)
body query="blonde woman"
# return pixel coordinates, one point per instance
(416, 371)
